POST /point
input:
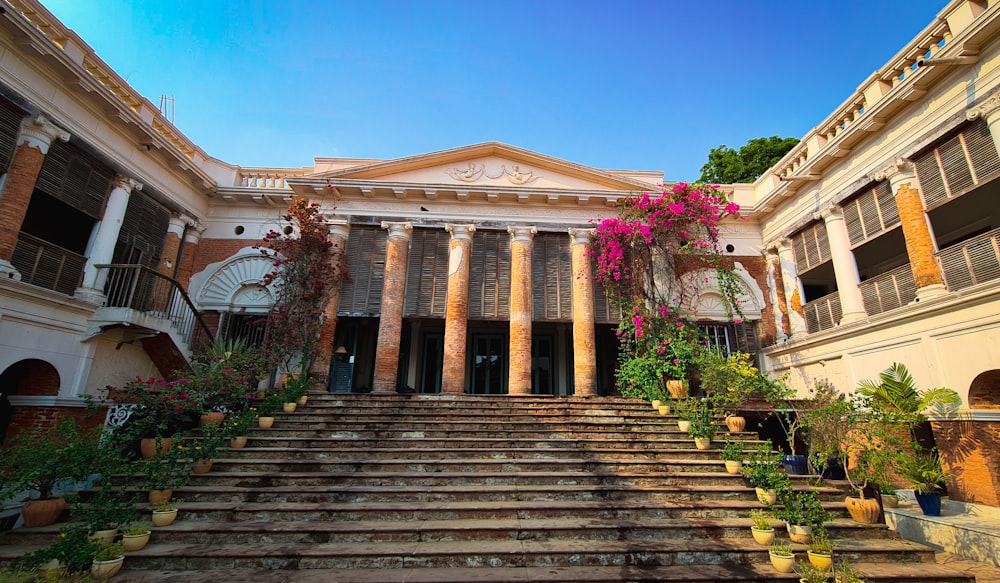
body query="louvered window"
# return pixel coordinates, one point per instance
(958, 164)
(46, 265)
(427, 274)
(489, 277)
(361, 292)
(10, 128)
(604, 310)
(140, 241)
(75, 178)
(552, 277)
(870, 212)
(811, 247)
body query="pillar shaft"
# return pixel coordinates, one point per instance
(519, 372)
(390, 327)
(793, 290)
(103, 249)
(584, 337)
(456, 317)
(845, 268)
(33, 142)
(320, 368)
(189, 251)
(172, 246)
(776, 297)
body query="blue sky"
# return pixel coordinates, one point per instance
(647, 85)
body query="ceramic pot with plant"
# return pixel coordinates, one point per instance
(72, 552)
(107, 561)
(809, 573)
(820, 552)
(135, 536)
(762, 469)
(889, 497)
(782, 557)
(803, 513)
(923, 471)
(732, 455)
(762, 530)
(160, 475)
(164, 513)
(702, 419)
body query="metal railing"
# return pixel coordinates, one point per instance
(142, 289)
(971, 262)
(823, 313)
(46, 265)
(889, 290)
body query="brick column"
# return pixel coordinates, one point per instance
(320, 368)
(172, 245)
(990, 111)
(776, 296)
(33, 144)
(390, 327)
(519, 371)
(103, 249)
(920, 244)
(456, 317)
(845, 269)
(189, 251)
(793, 289)
(584, 337)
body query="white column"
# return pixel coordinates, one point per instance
(793, 289)
(103, 249)
(845, 268)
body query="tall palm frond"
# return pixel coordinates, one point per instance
(896, 394)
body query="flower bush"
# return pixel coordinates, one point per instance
(39, 458)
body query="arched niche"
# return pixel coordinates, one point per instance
(236, 284)
(701, 298)
(32, 377)
(984, 392)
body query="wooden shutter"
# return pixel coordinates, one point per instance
(811, 247)
(552, 277)
(76, 179)
(870, 212)
(957, 164)
(489, 276)
(144, 229)
(10, 128)
(361, 293)
(427, 274)
(46, 265)
(604, 310)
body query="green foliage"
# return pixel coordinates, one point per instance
(203, 446)
(17, 574)
(809, 574)
(922, 469)
(109, 552)
(781, 550)
(761, 519)
(295, 386)
(166, 506)
(38, 458)
(137, 527)
(702, 418)
(733, 451)
(895, 394)
(731, 381)
(74, 549)
(107, 507)
(826, 420)
(162, 471)
(728, 166)
(238, 423)
(821, 544)
(802, 509)
(763, 468)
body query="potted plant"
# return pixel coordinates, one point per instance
(763, 471)
(37, 459)
(845, 573)
(782, 557)
(888, 496)
(732, 381)
(702, 423)
(825, 418)
(923, 471)
(237, 427)
(803, 514)
(135, 536)
(820, 552)
(811, 574)
(74, 551)
(105, 510)
(873, 445)
(164, 513)
(271, 403)
(202, 449)
(107, 561)
(762, 530)
(732, 454)
(160, 475)
(684, 410)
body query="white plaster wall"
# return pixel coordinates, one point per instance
(116, 364)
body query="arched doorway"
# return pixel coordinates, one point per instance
(26, 377)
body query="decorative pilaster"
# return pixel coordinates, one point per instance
(845, 268)
(584, 337)
(103, 249)
(390, 327)
(172, 244)
(457, 311)
(990, 111)
(920, 244)
(793, 289)
(519, 372)
(33, 142)
(776, 297)
(320, 369)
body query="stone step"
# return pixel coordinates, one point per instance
(486, 424)
(350, 441)
(290, 428)
(330, 449)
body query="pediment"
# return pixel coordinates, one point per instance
(494, 165)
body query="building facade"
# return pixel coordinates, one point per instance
(874, 241)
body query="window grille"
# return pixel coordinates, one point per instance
(489, 276)
(361, 291)
(811, 247)
(427, 274)
(870, 212)
(75, 178)
(957, 164)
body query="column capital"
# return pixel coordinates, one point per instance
(38, 132)
(986, 110)
(830, 214)
(401, 229)
(521, 233)
(338, 227)
(127, 184)
(898, 172)
(783, 245)
(176, 225)
(194, 232)
(460, 232)
(580, 236)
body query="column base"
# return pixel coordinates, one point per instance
(935, 290)
(850, 317)
(8, 271)
(90, 295)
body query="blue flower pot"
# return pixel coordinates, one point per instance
(930, 504)
(795, 465)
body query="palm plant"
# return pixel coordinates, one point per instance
(895, 393)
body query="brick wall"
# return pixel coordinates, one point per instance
(985, 391)
(31, 377)
(215, 250)
(971, 451)
(41, 417)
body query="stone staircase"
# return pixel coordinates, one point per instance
(401, 488)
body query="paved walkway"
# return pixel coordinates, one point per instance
(984, 572)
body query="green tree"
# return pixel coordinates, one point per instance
(727, 166)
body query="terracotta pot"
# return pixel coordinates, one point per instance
(733, 466)
(762, 537)
(42, 512)
(265, 422)
(703, 442)
(158, 496)
(104, 570)
(164, 517)
(284, 376)
(800, 533)
(212, 418)
(735, 423)
(105, 537)
(821, 562)
(769, 496)
(782, 564)
(302, 400)
(863, 510)
(289, 407)
(202, 466)
(678, 389)
(135, 542)
(259, 395)
(238, 442)
(147, 446)
(890, 501)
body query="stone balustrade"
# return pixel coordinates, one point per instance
(268, 178)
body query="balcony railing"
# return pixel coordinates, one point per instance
(889, 290)
(46, 265)
(140, 288)
(823, 314)
(971, 262)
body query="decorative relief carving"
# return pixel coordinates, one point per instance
(984, 109)
(474, 172)
(900, 168)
